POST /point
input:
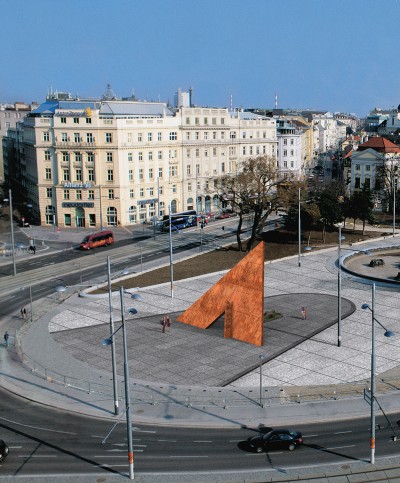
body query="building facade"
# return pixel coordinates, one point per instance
(97, 163)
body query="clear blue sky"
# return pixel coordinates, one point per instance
(338, 55)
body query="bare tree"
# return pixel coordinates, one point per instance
(253, 189)
(386, 178)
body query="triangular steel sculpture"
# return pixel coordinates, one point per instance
(240, 295)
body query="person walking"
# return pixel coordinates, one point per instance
(6, 339)
(304, 313)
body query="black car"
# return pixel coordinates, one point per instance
(277, 439)
(3, 450)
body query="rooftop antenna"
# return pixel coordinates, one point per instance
(190, 96)
(276, 101)
(231, 103)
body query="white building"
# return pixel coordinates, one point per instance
(92, 163)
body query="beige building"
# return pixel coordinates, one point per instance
(92, 163)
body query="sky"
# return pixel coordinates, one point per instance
(335, 55)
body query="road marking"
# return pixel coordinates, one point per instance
(201, 441)
(15, 447)
(36, 427)
(143, 430)
(38, 456)
(235, 440)
(343, 432)
(341, 447)
(167, 440)
(116, 455)
(310, 435)
(190, 456)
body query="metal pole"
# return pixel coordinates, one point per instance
(299, 231)
(394, 205)
(12, 233)
(171, 262)
(372, 440)
(127, 391)
(30, 298)
(113, 359)
(201, 236)
(101, 209)
(339, 340)
(261, 360)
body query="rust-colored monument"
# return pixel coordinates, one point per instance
(240, 296)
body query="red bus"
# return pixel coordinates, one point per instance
(103, 238)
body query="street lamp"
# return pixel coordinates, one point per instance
(262, 358)
(110, 341)
(171, 261)
(299, 230)
(339, 336)
(394, 205)
(387, 333)
(12, 231)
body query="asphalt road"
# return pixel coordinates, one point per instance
(44, 441)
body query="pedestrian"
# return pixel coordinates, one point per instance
(34, 249)
(166, 322)
(304, 313)
(24, 313)
(6, 339)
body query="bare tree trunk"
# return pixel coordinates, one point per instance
(239, 230)
(256, 222)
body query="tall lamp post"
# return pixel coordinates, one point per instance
(110, 341)
(299, 228)
(171, 261)
(12, 231)
(394, 203)
(387, 333)
(339, 335)
(113, 361)
(262, 357)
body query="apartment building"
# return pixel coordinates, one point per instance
(92, 163)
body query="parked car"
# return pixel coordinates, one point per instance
(225, 214)
(277, 439)
(3, 450)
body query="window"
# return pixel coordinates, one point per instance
(292, 164)
(77, 138)
(140, 156)
(141, 192)
(139, 137)
(63, 120)
(197, 168)
(222, 135)
(64, 137)
(76, 120)
(251, 150)
(151, 173)
(150, 155)
(244, 135)
(78, 174)
(214, 121)
(109, 157)
(358, 167)
(129, 137)
(90, 157)
(232, 151)
(196, 120)
(49, 192)
(108, 137)
(173, 136)
(48, 173)
(130, 175)
(110, 194)
(367, 183)
(264, 134)
(160, 172)
(132, 214)
(173, 170)
(66, 194)
(91, 174)
(206, 153)
(47, 156)
(131, 193)
(222, 167)
(232, 134)
(285, 164)
(196, 135)
(111, 216)
(89, 137)
(189, 186)
(88, 120)
(188, 136)
(65, 156)
(222, 120)
(130, 157)
(357, 183)
(140, 173)
(188, 169)
(78, 194)
(78, 157)
(214, 135)
(188, 120)
(244, 150)
(291, 152)
(197, 152)
(149, 136)
(285, 142)
(159, 136)
(151, 191)
(205, 120)
(205, 135)
(66, 174)
(291, 142)
(285, 152)
(159, 155)
(188, 151)
(90, 194)
(46, 136)
(110, 175)
(367, 167)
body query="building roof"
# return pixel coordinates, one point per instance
(380, 144)
(135, 108)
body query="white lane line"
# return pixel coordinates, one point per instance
(189, 456)
(167, 440)
(37, 456)
(116, 455)
(341, 447)
(15, 447)
(343, 432)
(37, 427)
(137, 430)
(201, 441)
(310, 435)
(235, 440)
(263, 454)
